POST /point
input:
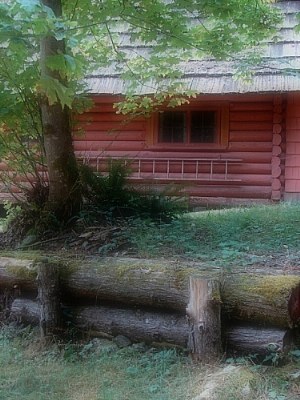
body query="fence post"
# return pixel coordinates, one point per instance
(204, 316)
(49, 297)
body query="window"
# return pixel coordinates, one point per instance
(203, 126)
(196, 126)
(188, 126)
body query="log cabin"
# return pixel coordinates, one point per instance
(237, 142)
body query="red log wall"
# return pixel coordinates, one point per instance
(292, 163)
(254, 139)
(258, 139)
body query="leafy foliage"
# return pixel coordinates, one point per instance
(176, 30)
(111, 197)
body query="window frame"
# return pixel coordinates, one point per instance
(222, 134)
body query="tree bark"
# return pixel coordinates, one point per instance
(64, 189)
(139, 325)
(204, 316)
(49, 299)
(257, 340)
(25, 311)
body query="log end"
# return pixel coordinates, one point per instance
(294, 306)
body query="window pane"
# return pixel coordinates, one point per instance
(172, 127)
(203, 126)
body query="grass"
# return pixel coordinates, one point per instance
(104, 372)
(237, 236)
(85, 372)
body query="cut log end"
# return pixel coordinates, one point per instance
(294, 306)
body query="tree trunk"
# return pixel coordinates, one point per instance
(49, 299)
(64, 189)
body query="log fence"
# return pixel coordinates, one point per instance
(206, 310)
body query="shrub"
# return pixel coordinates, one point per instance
(110, 197)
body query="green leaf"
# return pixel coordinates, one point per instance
(55, 91)
(29, 5)
(65, 64)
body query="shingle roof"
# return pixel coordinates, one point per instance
(278, 73)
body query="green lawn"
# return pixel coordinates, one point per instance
(85, 372)
(89, 372)
(241, 236)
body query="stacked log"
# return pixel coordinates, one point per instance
(133, 296)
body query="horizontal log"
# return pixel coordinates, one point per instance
(230, 191)
(248, 126)
(257, 340)
(156, 327)
(107, 144)
(245, 116)
(18, 274)
(271, 299)
(138, 325)
(253, 106)
(117, 126)
(250, 146)
(107, 117)
(251, 136)
(25, 311)
(267, 299)
(104, 135)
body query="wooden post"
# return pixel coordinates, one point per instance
(204, 316)
(49, 299)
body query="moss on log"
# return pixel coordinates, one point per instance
(271, 299)
(16, 273)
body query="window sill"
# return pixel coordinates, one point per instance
(184, 146)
